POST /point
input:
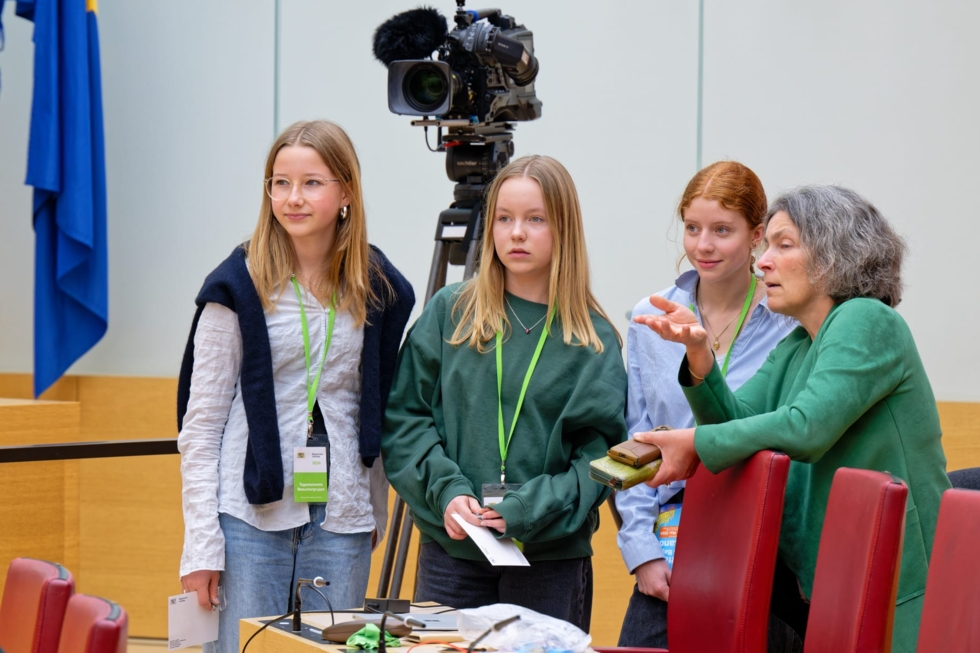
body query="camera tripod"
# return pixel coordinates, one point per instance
(474, 156)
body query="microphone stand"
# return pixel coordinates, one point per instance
(298, 599)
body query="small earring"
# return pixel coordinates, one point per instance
(343, 212)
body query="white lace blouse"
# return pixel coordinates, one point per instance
(213, 440)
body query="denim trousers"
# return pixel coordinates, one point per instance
(261, 568)
(557, 588)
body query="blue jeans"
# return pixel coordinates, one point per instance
(261, 568)
(557, 588)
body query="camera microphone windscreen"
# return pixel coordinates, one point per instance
(412, 34)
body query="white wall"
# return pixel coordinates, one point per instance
(875, 95)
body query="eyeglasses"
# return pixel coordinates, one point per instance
(311, 188)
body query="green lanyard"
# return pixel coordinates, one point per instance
(311, 388)
(505, 443)
(738, 325)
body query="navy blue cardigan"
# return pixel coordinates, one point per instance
(231, 286)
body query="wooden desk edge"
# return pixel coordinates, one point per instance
(274, 640)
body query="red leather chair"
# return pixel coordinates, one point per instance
(33, 606)
(856, 579)
(726, 555)
(951, 608)
(93, 625)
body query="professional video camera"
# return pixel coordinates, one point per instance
(484, 72)
(480, 81)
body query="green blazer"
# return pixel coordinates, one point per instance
(855, 396)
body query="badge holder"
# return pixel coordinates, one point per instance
(494, 492)
(311, 466)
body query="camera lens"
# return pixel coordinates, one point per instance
(426, 88)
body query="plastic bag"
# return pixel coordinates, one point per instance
(533, 632)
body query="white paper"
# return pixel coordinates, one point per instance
(188, 624)
(500, 553)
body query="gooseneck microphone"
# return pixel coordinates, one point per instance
(404, 618)
(494, 628)
(298, 600)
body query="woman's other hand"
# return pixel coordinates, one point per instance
(680, 458)
(205, 583)
(466, 507)
(653, 578)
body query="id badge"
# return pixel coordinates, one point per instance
(494, 492)
(310, 474)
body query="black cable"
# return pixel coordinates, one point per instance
(325, 600)
(264, 626)
(438, 147)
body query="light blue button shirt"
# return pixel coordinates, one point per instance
(655, 398)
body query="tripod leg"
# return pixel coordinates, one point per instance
(403, 543)
(391, 546)
(473, 253)
(437, 273)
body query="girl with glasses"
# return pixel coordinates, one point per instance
(282, 392)
(508, 385)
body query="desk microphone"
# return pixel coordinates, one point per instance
(405, 619)
(298, 600)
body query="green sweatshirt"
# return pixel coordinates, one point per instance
(441, 440)
(856, 396)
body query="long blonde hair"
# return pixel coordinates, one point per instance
(479, 307)
(271, 256)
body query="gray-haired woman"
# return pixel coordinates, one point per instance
(845, 389)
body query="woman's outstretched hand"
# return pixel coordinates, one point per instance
(680, 459)
(678, 324)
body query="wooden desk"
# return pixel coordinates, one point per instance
(274, 640)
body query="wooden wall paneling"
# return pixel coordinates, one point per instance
(961, 433)
(131, 524)
(613, 583)
(38, 501)
(21, 386)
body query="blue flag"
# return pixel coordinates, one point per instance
(66, 167)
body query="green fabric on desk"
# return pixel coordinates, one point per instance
(368, 636)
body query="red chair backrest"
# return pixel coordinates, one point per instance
(856, 578)
(951, 608)
(33, 606)
(93, 625)
(727, 540)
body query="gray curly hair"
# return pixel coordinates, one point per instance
(851, 250)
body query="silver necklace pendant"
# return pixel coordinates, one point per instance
(527, 329)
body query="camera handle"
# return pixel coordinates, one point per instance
(474, 156)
